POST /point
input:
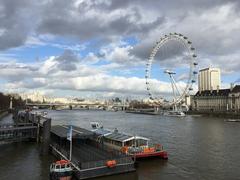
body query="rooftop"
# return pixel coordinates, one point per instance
(236, 89)
(209, 68)
(77, 132)
(122, 137)
(119, 137)
(220, 92)
(101, 131)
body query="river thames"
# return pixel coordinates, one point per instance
(204, 148)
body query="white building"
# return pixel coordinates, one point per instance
(209, 79)
(223, 100)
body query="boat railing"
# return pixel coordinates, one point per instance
(102, 163)
(157, 147)
(65, 153)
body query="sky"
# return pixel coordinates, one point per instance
(99, 48)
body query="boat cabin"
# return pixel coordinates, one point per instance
(118, 140)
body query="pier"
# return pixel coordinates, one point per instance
(20, 132)
(89, 157)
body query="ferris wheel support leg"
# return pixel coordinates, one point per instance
(175, 84)
(174, 93)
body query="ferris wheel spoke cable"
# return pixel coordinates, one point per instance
(164, 46)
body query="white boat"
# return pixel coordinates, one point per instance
(61, 170)
(233, 120)
(41, 113)
(174, 113)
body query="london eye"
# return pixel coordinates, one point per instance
(172, 61)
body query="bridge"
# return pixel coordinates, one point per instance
(118, 106)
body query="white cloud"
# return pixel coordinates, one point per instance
(45, 76)
(212, 26)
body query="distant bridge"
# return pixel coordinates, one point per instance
(64, 104)
(99, 105)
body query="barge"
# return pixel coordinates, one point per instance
(88, 158)
(135, 146)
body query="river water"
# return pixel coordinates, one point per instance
(204, 148)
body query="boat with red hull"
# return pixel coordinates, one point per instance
(161, 154)
(135, 146)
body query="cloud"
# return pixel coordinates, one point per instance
(65, 72)
(97, 33)
(67, 61)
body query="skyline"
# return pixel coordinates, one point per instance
(100, 48)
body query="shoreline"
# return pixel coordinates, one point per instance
(215, 114)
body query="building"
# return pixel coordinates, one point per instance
(211, 98)
(220, 100)
(209, 79)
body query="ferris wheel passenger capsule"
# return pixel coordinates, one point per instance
(187, 44)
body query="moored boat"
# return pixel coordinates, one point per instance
(174, 113)
(135, 146)
(232, 120)
(61, 170)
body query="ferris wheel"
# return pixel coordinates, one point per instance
(188, 61)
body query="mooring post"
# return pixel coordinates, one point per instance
(15, 116)
(26, 117)
(37, 120)
(46, 136)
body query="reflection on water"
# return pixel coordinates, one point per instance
(199, 147)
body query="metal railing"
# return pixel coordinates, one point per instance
(92, 164)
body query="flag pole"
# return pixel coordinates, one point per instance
(70, 156)
(69, 137)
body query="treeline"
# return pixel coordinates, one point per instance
(5, 101)
(135, 104)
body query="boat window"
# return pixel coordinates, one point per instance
(129, 143)
(141, 142)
